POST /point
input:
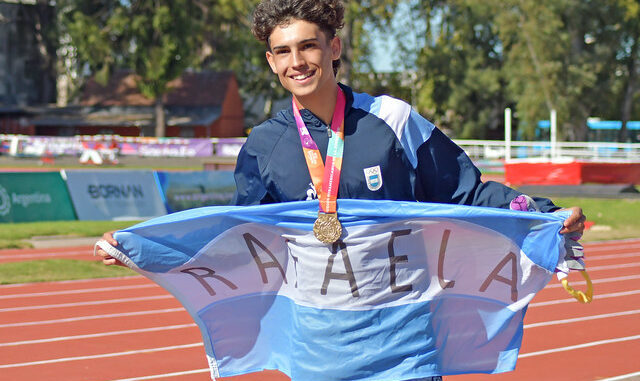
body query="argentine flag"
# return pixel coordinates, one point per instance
(411, 290)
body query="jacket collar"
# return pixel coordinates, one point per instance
(310, 119)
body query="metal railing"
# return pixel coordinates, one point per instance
(520, 150)
(491, 150)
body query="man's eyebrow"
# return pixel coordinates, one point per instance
(314, 39)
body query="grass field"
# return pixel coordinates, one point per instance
(51, 270)
(16, 236)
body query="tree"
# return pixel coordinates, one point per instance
(559, 55)
(461, 85)
(629, 58)
(157, 39)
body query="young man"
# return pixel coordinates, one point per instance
(407, 157)
(388, 150)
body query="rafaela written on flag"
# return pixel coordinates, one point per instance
(411, 290)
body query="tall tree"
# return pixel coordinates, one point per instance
(629, 57)
(157, 39)
(460, 78)
(559, 55)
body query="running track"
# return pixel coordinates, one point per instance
(130, 329)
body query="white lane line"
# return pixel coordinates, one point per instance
(612, 267)
(580, 346)
(572, 300)
(621, 377)
(104, 355)
(582, 318)
(91, 317)
(77, 291)
(597, 281)
(175, 374)
(93, 335)
(589, 258)
(127, 278)
(89, 303)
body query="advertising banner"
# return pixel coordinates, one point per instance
(229, 147)
(22, 145)
(186, 190)
(167, 148)
(37, 196)
(115, 194)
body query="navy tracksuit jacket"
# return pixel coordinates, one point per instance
(390, 153)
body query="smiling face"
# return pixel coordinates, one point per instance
(302, 56)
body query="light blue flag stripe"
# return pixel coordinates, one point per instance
(416, 289)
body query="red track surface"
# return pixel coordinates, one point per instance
(130, 329)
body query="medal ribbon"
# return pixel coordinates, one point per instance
(325, 178)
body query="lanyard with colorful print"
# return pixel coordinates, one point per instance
(325, 178)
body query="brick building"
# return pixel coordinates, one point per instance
(198, 104)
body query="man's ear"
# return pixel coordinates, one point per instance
(336, 48)
(271, 61)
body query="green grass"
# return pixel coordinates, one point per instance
(15, 236)
(58, 269)
(613, 218)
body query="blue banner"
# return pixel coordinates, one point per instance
(194, 189)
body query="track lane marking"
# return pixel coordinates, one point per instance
(599, 296)
(580, 346)
(589, 258)
(78, 291)
(92, 317)
(104, 355)
(582, 318)
(102, 334)
(174, 374)
(598, 281)
(621, 377)
(89, 303)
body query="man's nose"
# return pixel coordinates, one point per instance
(297, 58)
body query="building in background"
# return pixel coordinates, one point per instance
(27, 61)
(199, 104)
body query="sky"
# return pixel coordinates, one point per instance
(384, 42)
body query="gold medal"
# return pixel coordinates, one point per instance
(327, 228)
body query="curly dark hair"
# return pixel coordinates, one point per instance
(269, 14)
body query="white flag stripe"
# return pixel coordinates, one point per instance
(572, 300)
(92, 317)
(104, 355)
(102, 334)
(165, 375)
(580, 346)
(89, 303)
(597, 281)
(621, 377)
(582, 318)
(79, 291)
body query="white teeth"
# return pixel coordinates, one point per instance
(302, 76)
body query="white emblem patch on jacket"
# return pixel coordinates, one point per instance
(373, 176)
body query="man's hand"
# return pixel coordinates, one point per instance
(575, 222)
(106, 258)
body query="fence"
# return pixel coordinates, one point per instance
(586, 151)
(229, 148)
